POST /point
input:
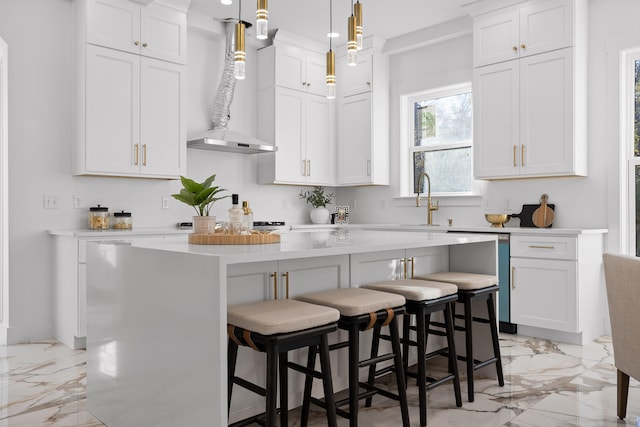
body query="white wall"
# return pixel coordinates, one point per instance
(38, 33)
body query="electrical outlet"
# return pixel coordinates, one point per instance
(165, 202)
(50, 202)
(77, 202)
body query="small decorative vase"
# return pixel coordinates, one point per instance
(319, 215)
(204, 224)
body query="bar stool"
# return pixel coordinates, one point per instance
(473, 287)
(275, 327)
(424, 298)
(360, 310)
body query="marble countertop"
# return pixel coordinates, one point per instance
(312, 243)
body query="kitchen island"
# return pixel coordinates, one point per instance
(156, 309)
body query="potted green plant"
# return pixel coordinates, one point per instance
(202, 196)
(319, 200)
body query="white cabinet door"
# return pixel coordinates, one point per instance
(320, 140)
(376, 267)
(300, 69)
(112, 112)
(544, 294)
(426, 261)
(496, 106)
(316, 72)
(354, 134)
(546, 114)
(358, 79)
(303, 276)
(538, 27)
(163, 123)
(154, 30)
(289, 136)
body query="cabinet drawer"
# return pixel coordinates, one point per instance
(544, 247)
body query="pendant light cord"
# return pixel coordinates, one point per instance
(240, 11)
(331, 23)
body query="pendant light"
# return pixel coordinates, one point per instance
(357, 11)
(352, 43)
(262, 16)
(226, 2)
(239, 52)
(331, 60)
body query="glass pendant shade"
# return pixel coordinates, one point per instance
(226, 2)
(239, 52)
(352, 43)
(262, 23)
(357, 10)
(331, 74)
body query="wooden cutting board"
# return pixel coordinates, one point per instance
(543, 216)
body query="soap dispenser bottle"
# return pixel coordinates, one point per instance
(248, 215)
(236, 216)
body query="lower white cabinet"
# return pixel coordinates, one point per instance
(557, 285)
(283, 279)
(397, 264)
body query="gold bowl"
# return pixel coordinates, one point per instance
(497, 220)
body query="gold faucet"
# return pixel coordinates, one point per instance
(430, 206)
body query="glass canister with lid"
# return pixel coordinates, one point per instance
(122, 220)
(99, 218)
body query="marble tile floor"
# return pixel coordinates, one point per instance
(547, 384)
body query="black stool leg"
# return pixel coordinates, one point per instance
(453, 358)
(494, 338)
(232, 356)
(308, 383)
(325, 365)
(375, 345)
(406, 337)
(271, 386)
(402, 387)
(354, 388)
(283, 359)
(468, 335)
(422, 374)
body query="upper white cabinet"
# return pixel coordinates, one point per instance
(363, 120)
(537, 27)
(530, 112)
(129, 108)
(295, 115)
(155, 31)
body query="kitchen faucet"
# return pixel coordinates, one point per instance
(430, 206)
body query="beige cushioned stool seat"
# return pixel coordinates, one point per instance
(415, 290)
(354, 301)
(279, 316)
(464, 281)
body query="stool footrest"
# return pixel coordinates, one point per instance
(485, 363)
(250, 386)
(304, 370)
(375, 360)
(338, 345)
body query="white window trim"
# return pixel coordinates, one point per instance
(406, 145)
(628, 161)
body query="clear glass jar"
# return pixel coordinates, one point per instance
(122, 220)
(99, 218)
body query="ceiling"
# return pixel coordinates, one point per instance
(310, 18)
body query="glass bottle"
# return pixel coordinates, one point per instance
(235, 216)
(248, 215)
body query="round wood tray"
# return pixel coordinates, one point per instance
(233, 239)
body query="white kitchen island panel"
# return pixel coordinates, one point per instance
(156, 332)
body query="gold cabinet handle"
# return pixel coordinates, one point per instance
(404, 267)
(522, 155)
(523, 46)
(308, 167)
(144, 154)
(540, 247)
(304, 168)
(136, 154)
(513, 277)
(515, 48)
(145, 44)
(275, 284)
(515, 151)
(137, 43)
(286, 283)
(368, 167)
(413, 270)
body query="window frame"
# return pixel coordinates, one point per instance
(627, 155)
(408, 149)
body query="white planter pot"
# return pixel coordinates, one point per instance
(204, 224)
(319, 215)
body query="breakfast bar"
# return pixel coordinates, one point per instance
(157, 310)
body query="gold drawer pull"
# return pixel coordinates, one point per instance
(286, 281)
(515, 151)
(136, 153)
(513, 277)
(413, 263)
(275, 285)
(522, 155)
(541, 247)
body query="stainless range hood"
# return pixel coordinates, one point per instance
(230, 141)
(219, 137)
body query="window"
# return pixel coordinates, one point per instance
(441, 134)
(631, 91)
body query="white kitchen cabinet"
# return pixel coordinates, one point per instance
(363, 120)
(154, 30)
(529, 112)
(556, 285)
(534, 28)
(302, 127)
(287, 278)
(71, 280)
(129, 109)
(293, 67)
